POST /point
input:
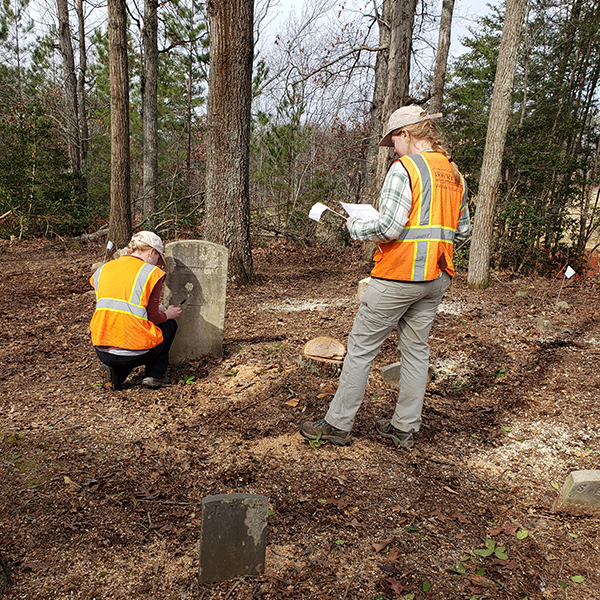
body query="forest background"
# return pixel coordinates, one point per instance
(312, 121)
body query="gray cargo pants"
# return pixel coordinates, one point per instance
(411, 307)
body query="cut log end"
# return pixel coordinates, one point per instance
(323, 356)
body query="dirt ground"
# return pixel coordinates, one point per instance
(101, 492)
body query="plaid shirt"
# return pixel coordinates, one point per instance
(395, 202)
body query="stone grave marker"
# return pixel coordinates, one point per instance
(233, 536)
(196, 274)
(580, 493)
(362, 287)
(391, 374)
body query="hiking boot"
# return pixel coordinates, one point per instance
(109, 378)
(401, 439)
(155, 382)
(322, 430)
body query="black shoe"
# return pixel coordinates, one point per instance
(109, 378)
(322, 430)
(401, 439)
(155, 382)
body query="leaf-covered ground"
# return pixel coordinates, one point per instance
(101, 492)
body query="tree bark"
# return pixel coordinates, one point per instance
(120, 193)
(227, 217)
(376, 124)
(70, 86)
(483, 228)
(398, 79)
(150, 109)
(441, 57)
(82, 105)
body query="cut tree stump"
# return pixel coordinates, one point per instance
(323, 356)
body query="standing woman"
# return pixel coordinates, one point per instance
(129, 327)
(423, 211)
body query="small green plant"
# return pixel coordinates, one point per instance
(491, 548)
(522, 534)
(459, 385)
(231, 373)
(426, 586)
(188, 380)
(314, 444)
(500, 373)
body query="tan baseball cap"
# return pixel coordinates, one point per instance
(150, 239)
(407, 115)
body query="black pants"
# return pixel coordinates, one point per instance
(156, 360)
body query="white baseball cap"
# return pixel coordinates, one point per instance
(150, 239)
(407, 115)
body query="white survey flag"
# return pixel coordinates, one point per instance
(316, 212)
(569, 272)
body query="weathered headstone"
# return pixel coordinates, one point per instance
(580, 493)
(362, 287)
(233, 537)
(391, 373)
(197, 274)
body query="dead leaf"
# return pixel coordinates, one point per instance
(73, 487)
(496, 531)
(379, 546)
(293, 402)
(395, 586)
(510, 529)
(393, 555)
(438, 514)
(147, 493)
(460, 536)
(460, 518)
(481, 581)
(319, 396)
(339, 502)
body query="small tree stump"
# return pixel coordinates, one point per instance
(323, 356)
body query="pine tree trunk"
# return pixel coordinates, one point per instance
(119, 231)
(150, 108)
(441, 57)
(376, 123)
(70, 86)
(227, 217)
(81, 101)
(483, 228)
(403, 18)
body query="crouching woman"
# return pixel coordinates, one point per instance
(129, 327)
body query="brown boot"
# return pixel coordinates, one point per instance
(322, 430)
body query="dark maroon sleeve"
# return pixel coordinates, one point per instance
(156, 315)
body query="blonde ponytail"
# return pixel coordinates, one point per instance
(428, 130)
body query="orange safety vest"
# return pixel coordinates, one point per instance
(123, 289)
(424, 248)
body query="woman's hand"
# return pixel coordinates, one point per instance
(173, 312)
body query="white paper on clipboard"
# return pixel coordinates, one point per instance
(366, 212)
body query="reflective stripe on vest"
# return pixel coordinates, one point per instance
(133, 305)
(123, 289)
(424, 247)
